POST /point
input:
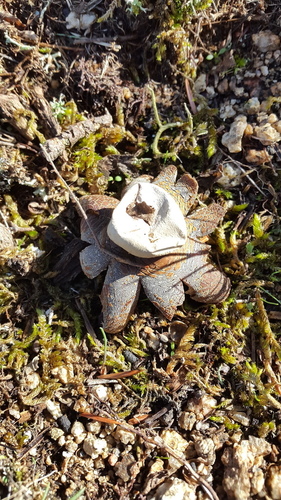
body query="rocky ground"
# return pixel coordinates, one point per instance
(113, 89)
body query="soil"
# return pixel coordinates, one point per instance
(92, 95)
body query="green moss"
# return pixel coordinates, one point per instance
(14, 213)
(27, 116)
(7, 296)
(226, 421)
(182, 9)
(182, 138)
(266, 428)
(18, 352)
(66, 112)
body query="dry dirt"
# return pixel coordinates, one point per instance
(181, 409)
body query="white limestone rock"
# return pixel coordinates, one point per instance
(267, 134)
(175, 489)
(233, 139)
(95, 447)
(200, 83)
(252, 106)
(227, 111)
(266, 40)
(231, 175)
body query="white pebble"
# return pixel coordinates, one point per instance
(31, 378)
(63, 374)
(54, 409)
(93, 427)
(56, 433)
(231, 175)
(125, 437)
(264, 70)
(78, 432)
(266, 41)
(71, 447)
(227, 111)
(233, 139)
(94, 446)
(175, 489)
(101, 391)
(252, 106)
(210, 91)
(267, 134)
(14, 413)
(61, 441)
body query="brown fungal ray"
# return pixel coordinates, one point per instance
(205, 282)
(163, 286)
(98, 209)
(119, 296)
(184, 191)
(93, 261)
(205, 220)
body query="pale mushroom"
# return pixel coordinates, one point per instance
(147, 222)
(163, 276)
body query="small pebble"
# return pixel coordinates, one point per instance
(53, 409)
(94, 446)
(223, 86)
(33, 452)
(252, 106)
(187, 420)
(56, 433)
(101, 392)
(125, 437)
(112, 459)
(175, 489)
(201, 405)
(70, 446)
(233, 139)
(14, 413)
(205, 448)
(63, 374)
(210, 91)
(78, 431)
(264, 70)
(266, 41)
(93, 427)
(277, 126)
(200, 83)
(31, 379)
(64, 423)
(176, 442)
(227, 111)
(257, 157)
(61, 441)
(267, 134)
(273, 482)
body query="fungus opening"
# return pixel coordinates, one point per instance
(147, 222)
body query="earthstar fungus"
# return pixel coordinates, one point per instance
(147, 240)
